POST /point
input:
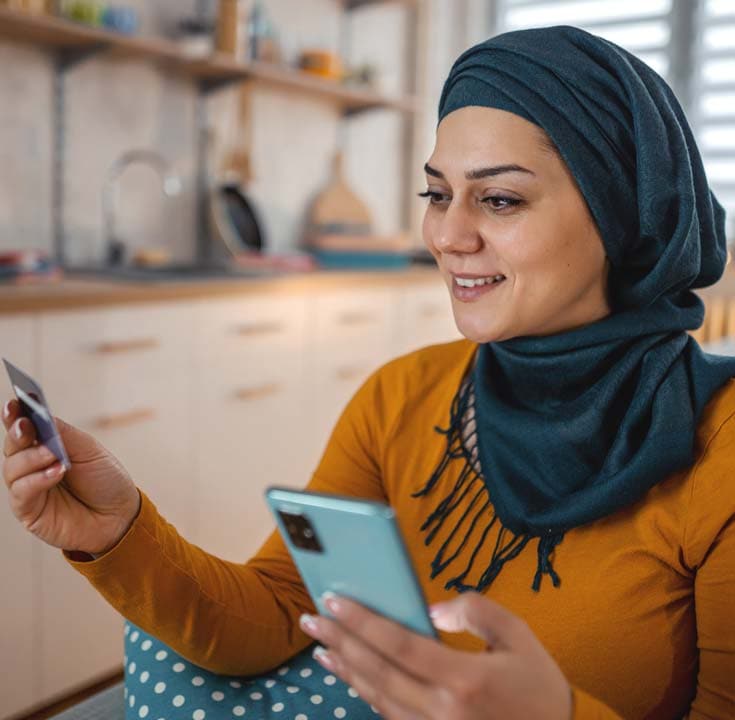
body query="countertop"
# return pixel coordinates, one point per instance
(91, 291)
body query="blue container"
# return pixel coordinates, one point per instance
(349, 260)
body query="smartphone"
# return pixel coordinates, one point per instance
(351, 547)
(34, 406)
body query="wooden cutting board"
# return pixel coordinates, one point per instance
(337, 209)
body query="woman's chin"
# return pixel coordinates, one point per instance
(479, 333)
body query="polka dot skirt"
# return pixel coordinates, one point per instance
(161, 685)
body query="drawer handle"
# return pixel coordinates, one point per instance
(356, 318)
(257, 391)
(350, 372)
(261, 328)
(124, 346)
(123, 419)
(430, 311)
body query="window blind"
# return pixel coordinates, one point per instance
(714, 98)
(691, 43)
(644, 28)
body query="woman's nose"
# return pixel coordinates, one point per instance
(457, 232)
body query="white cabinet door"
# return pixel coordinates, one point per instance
(424, 316)
(251, 417)
(18, 632)
(352, 334)
(124, 375)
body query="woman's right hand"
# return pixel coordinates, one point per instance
(87, 508)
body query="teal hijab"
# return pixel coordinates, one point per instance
(572, 427)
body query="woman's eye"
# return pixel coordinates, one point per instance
(435, 198)
(500, 202)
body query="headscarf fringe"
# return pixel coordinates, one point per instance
(459, 442)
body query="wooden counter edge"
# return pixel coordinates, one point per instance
(94, 292)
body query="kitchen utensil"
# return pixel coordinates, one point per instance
(235, 218)
(337, 209)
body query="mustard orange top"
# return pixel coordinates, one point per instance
(643, 624)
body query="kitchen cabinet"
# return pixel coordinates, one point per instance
(251, 417)
(121, 374)
(205, 401)
(424, 317)
(353, 333)
(20, 555)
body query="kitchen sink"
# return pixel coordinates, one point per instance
(170, 273)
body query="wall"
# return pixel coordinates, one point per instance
(117, 105)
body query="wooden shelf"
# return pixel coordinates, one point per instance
(350, 99)
(353, 4)
(69, 37)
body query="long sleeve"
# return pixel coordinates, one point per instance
(710, 551)
(230, 618)
(588, 708)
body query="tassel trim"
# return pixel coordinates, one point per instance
(461, 439)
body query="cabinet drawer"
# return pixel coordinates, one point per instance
(252, 331)
(363, 318)
(425, 317)
(111, 367)
(253, 433)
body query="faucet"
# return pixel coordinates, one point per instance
(171, 186)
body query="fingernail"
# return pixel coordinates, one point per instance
(307, 623)
(6, 410)
(322, 655)
(54, 471)
(332, 602)
(18, 430)
(435, 610)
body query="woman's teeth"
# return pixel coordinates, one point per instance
(474, 282)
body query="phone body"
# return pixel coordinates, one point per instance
(351, 547)
(34, 406)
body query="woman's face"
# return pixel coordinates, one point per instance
(503, 205)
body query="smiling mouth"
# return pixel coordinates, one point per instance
(467, 282)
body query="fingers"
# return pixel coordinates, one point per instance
(20, 435)
(376, 696)
(36, 458)
(423, 657)
(27, 494)
(11, 410)
(482, 617)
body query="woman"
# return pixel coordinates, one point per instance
(570, 463)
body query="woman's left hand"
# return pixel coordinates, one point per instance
(405, 675)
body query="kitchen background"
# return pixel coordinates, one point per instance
(185, 374)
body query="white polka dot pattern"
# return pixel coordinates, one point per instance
(178, 690)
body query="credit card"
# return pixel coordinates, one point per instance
(35, 408)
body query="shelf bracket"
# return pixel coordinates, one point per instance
(67, 58)
(210, 85)
(352, 112)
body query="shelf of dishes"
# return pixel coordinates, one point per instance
(62, 35)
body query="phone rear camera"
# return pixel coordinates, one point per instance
(301, 532)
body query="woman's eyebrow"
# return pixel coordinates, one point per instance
(480, 173)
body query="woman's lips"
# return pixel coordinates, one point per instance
(470, 294)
